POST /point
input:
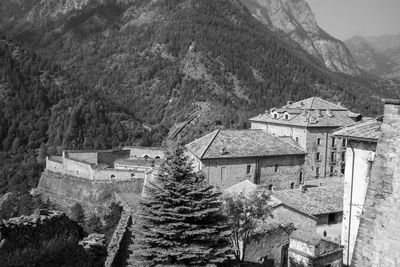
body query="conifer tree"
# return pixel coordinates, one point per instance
(180, 220)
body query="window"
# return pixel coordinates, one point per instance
(317, 171)
(112, 176)
(332, 169)
(292, 186)
(287, 116)
(248, 169)
(270, 187)
(157, 157)
(342, 170)
(318, 156)
(333, 141)
(319, 141)
(132, 175)
(369, 168)
(332, 156)
(344, 144)
(275, 115)
(301, 178)
(343, 156)
(297, 139)
(146, 156)
(276, 167)
(223, 173)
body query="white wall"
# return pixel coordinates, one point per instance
(363, 153)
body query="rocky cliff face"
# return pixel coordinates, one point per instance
(296, 19)
(368, 58)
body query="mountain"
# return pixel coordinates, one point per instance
(378, 55)
(44, 109)
(186, 66)
(297, 21)
(368, 57)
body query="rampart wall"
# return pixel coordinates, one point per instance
(76, 168)
(114, 245)
(53, 166)
(86, 156)
(94, 195)
(109, 158)
(140, 152)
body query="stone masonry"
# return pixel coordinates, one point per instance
(378, 237)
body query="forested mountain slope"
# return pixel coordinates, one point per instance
(42, 109)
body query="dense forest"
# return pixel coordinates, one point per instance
(42, 110)
(108, 68)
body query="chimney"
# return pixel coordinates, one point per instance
(303, 188)
(392, 107)
(318, 112)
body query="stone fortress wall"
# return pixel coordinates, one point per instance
(99, 165)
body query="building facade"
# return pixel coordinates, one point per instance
(228, 157)
(362, 139)
(310, 250)
(310, 123)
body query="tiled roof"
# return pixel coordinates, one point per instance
(241, 144)
(368, 130)
(315, 200)
(245, 186)
(311, 112)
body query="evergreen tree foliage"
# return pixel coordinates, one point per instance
(111, 220)
(180, 221)
(93, 225)
(78, 214)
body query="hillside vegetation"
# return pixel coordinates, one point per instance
(107, 68)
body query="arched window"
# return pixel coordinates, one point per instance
(132, 175)
(157, 157)
(146, 156)
(292, 186)
(270, 187)
(112, 176)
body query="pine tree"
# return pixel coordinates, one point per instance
(78, 214)
(180, 221)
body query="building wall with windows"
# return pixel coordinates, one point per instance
(279, 172)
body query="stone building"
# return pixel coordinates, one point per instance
(309, 123)
(362, 138)
(228, 157)
(310, 250)
(324, 203)
(378, 238)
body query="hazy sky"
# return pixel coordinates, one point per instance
(346, 18)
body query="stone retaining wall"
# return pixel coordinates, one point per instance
(114, 245)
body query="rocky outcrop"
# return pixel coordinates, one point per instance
(28, 240)
(115, 242)
(368, 58)
(378, 55)
(296, 19)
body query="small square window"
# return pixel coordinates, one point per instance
(319, 141)
(248, 169)
(318, 156)
(276, 167)
(317, 171)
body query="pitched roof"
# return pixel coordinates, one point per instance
(310, 112)
(315, 200)
(368, 130)
(245, 186)
(241, 144)
(314, 103)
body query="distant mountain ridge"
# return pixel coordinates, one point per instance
(378, 55)
(296, 19)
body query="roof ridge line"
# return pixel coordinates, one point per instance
(209, 144)
(309, 111)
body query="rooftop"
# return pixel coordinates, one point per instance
(315, 200)
(310, 112)
(368, 130)
(311, 238)
(245, 186)
(241, 144)
(142, 162)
